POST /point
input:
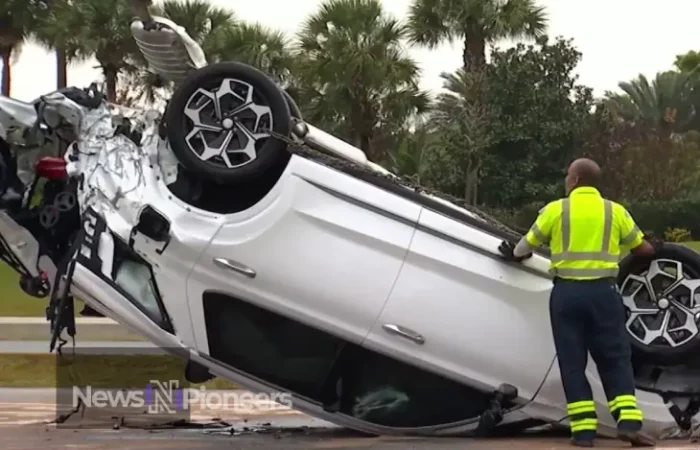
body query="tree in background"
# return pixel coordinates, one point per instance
(411, 150)
(222, 37)
(639, 163)
(18, 19)
(199, 18)
(101, 29)
(687, 62)
(475, 22)
(50, 33)
(461, 121)
(538, 115)
(462, 117)
(667, 104)
(261, 47)
(357, 79)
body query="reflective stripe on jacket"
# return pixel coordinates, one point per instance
(584, 233)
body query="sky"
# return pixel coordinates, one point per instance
(619, 40)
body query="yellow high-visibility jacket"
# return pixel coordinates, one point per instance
(584, 233)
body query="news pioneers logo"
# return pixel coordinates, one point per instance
(160, 397)
(167, 397)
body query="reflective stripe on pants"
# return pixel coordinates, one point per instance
(624, 409)
(582, 417)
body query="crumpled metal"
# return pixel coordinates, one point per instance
(111, 167)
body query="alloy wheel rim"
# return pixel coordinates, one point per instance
(663, 304)
(230, 123)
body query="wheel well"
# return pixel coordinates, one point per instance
(227, 198)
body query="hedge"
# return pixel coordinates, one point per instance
(651, 216)
(658, 216)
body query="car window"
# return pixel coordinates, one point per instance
(345, 377)
(268, 346)
(384, 391)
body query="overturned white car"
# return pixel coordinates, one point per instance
(275, 255)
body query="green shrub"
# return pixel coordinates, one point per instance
(677, 235)
(655, 217)
(658, 216)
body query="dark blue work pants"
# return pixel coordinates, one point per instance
(588, 316)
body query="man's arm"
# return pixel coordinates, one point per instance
(523, 248)
(539, 233)
(632, 237)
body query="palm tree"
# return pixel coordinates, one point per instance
(101, 29)
(198, 17)
(254, 44)
(687, 62)
(411, 150)
(51, 34)
(667, 103)
(356, 74)
(17, 20)
(475, 22)
(222, 37)
(461, 120)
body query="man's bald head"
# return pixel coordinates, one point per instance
(582, 172)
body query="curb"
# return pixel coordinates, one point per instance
(87, 328)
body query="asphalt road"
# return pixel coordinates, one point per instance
(32, 437)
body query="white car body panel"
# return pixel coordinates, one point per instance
(445, 286)
(339, 284)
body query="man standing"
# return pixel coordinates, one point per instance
(584, 232)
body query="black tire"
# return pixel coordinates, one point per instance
(293, 107)
(271, 151)
(659, 354)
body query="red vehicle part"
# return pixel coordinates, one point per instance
(51, 168)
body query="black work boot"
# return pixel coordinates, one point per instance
(636, 438)
(582, 442)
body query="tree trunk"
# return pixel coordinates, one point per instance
(365, 147)
(110, 74)
(474, 55)
(61, 69)
(6, 55)
(470, 185)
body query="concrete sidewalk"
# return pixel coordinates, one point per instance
(87, 328)
(83, 347)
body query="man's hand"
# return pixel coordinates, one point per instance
(655, 242)
(506, 248)
(649, 247)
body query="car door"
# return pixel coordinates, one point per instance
(322, 248)
(460, 311)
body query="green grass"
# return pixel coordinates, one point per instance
(135, 371)
(695, 245)
(15, 303)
